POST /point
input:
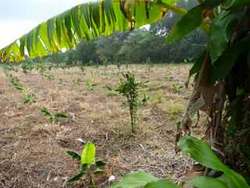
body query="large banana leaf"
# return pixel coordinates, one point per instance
(202, 153)
(199, 151)
(85, 21)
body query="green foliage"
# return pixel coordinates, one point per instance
(90, 85)
(200, 152)
(74, 155)
(224, 64)
(27, 66)
(54, 117)
(188, 23)
(88, 164)
(85, 52)
(226, 59)
(161, 184)
(207, 182)
(16, 83)
(135, 180)
(129, 88)
(28, 96)
(177, 87)
(88, 37)
(88, 154)
(86, 21)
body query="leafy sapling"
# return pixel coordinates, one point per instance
(89, 166)
(129, 88)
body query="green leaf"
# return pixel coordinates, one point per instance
(235, 3)
(220, 32)
(98, 171)
(162, 184)
(45, 112)
(61, 115)
(190, 21)
(207, 182)
(100, 164)
(84, 167)
(225, 62)
(88, 154)
(197, 65)
(74, 155)
(135, 180)
(202, 153)
(76, 177)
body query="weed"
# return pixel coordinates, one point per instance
(177, 88)
(77, 82)
(16, 83)
(28, 97)
(27, 66)
(174, 109)
(54, 117)
(157, 97)
(90, 85)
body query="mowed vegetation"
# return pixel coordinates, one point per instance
(34, 143)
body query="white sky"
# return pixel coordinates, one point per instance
(18, 17)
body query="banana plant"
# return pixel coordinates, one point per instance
(89, 166)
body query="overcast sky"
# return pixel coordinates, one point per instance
(17, 17)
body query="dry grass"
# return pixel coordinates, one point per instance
(32, 150)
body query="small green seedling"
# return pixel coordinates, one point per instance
(28, 97)
(177, 88)
(89, 167)
(27, 66)
(16, 83)
(90, 85)
(54, 117)
(77, 82)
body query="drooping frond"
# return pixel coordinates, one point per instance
(85, 21)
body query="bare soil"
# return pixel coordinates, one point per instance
(32, 150)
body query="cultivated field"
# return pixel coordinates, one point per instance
(32, 147)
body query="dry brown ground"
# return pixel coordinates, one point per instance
(32, 150)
